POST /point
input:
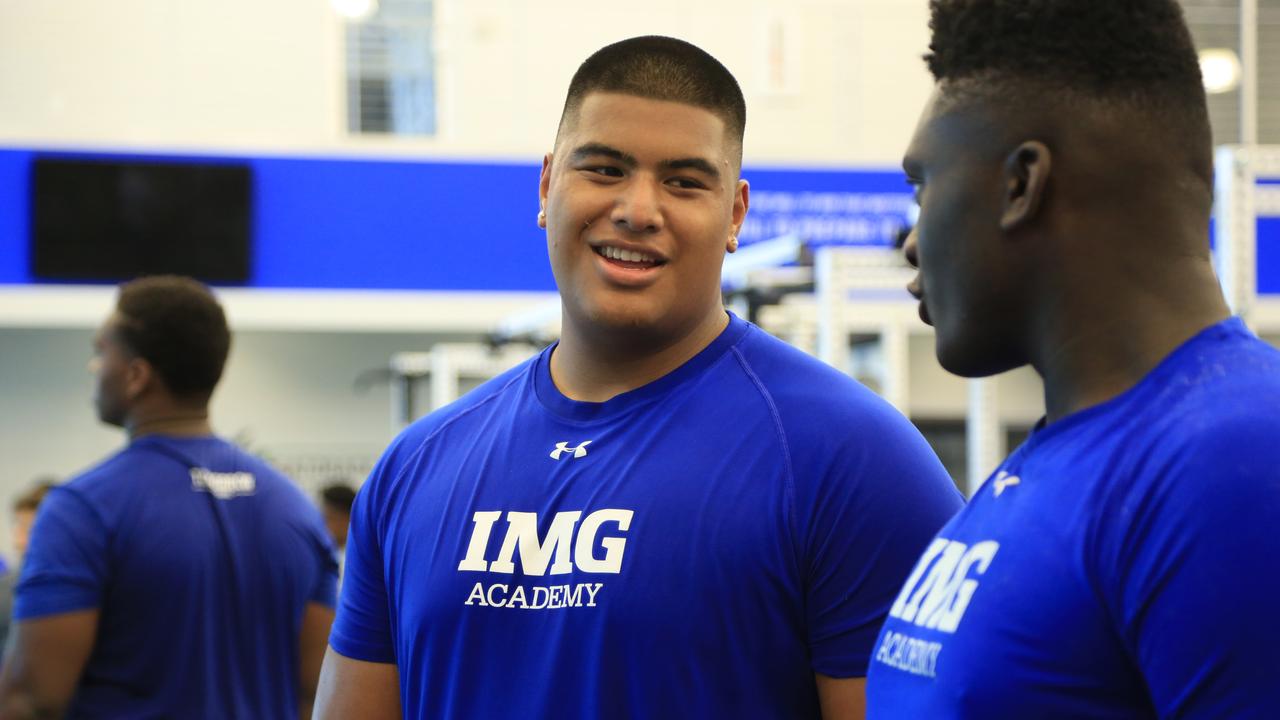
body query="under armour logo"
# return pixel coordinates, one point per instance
(1004, 480)
(563, 447)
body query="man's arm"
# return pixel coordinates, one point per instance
(842, 698)
(43, 662)
(313, 638)
(354, 688)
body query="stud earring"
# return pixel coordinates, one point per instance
(542, 218)
(733, 243)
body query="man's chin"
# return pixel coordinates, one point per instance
(110, 418)
(968, 361)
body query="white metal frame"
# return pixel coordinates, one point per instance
(444, 366)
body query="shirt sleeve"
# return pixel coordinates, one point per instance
(66, 566)
(870, 514)
(362, 627)
(1195, 550)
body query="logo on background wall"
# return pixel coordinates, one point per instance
(563, 447)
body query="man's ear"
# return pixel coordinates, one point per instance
(139, 375)
(741, 201)
(1026, 176)
(544, 184)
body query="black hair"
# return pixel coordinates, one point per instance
(177, 325)
(340, 496)
(1134, 51)
(661, 68)
(31, 499)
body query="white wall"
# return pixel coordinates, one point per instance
(289, 395)
(252, 75)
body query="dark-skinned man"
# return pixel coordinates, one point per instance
(181, 577)
(667, 514)
(1121, 563)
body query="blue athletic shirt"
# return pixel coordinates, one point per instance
(1124, 562)
(200, 559)
(697, 547)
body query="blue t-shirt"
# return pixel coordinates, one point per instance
(697, 547)
(200, 559)
(1124, 562)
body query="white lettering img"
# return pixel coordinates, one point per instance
(900, 605)
(558, 553)
(613, 546)
(479, 541)
(978, 559)
(938, 575)
(939, 601)
(522, 532)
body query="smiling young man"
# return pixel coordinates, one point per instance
(181, 577)
(1122, 563)
(667, 514)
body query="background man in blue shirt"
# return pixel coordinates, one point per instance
(668, 513)
(1122, 561)
(181, 577)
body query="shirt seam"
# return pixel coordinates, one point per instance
(789, 477)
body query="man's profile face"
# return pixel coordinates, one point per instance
(109, 366)
(641, 197)
(964, 260)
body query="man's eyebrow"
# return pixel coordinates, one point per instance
(694, 163)
(583, 152)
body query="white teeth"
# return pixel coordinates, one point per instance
(625, 255)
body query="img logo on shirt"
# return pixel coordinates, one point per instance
(567, 547)
(938, 591)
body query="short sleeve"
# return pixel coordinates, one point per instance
(66, 567)
(871, 511)
(362, 628)
(1197, 544)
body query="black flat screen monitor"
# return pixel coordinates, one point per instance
(109, 220)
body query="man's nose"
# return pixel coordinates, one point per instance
(638, 208)
(909, 249)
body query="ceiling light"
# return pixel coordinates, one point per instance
(355, 10)
(1221, 70)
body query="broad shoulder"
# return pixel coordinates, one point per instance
(814, 400)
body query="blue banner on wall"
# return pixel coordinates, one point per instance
(330, 223)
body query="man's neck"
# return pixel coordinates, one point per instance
(1098, 347)
(596, 366)
(189, 423)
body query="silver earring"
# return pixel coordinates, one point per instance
(542, 218)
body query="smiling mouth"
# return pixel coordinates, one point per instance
(630, 259)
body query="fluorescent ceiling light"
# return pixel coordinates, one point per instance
(355, 10)
(1221, 70)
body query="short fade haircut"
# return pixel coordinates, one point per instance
(1135, 53)
(662, 68)
(339, 496)
(177, 325)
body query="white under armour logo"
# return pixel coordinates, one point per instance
(563, 447)
(1004, 480)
